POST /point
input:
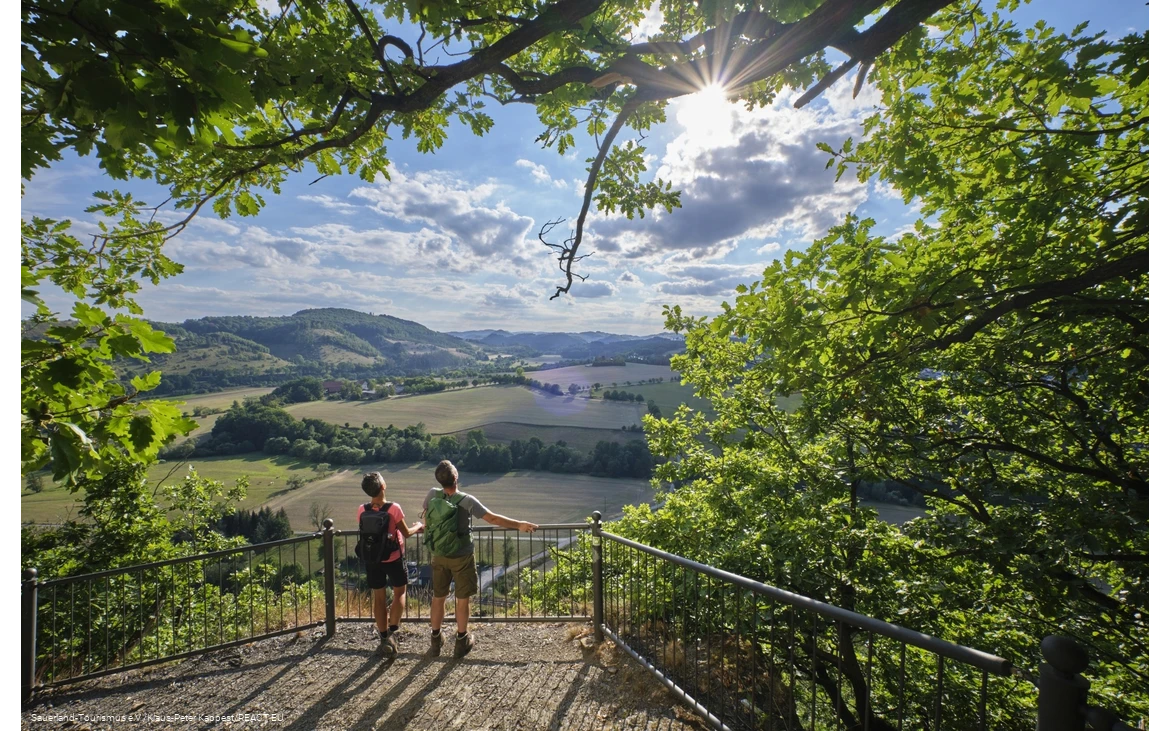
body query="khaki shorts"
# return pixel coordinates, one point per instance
(462, 569)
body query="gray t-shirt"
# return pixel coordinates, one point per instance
(468, 507)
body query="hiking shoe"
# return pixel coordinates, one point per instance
(389, 648)
(464, 644)
(436, 644)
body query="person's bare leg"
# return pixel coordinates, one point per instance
(397, 605)
(438, 609)
(379, 597)
(462, 614)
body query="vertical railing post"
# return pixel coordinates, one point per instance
(597, 579)
(327, 533)
(1064, 692)
(28, 633)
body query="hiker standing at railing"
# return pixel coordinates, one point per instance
(447, 514)
(382, 537)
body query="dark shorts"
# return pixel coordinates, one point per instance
(392, 572)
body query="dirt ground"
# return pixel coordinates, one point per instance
(518, 676)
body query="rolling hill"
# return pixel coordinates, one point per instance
(328, 336)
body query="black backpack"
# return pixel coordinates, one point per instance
(376, 539)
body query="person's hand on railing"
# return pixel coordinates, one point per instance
(417, 527)
(525, 526)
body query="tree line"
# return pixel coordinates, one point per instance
(257, 526)
(256, 426)
(622, 396)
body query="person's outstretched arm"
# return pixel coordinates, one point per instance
(504, 521)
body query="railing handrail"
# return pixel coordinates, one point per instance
(251, 547)
(493, 528)
(977, 658)
(262, 546)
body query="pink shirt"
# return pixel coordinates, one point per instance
(396, 517)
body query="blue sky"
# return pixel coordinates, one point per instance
(451, 239)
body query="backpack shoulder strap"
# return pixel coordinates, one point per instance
(368, 506)
(385, 508)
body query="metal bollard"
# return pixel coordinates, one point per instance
(598, 603)
(28, 633)
(327, 534)
(1064, 692)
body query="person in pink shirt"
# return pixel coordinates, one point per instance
(392, 570)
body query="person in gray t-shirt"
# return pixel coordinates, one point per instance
(457, 563)
(468, 507)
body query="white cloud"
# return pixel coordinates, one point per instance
(254, 247)
(744, 175)
(450, 206)
(425, 248)
(650, 25)
(215, 225)
(769, 248)
(331, 203)
(707, 280)
(540, 174)
(520, 296)
(590, 289)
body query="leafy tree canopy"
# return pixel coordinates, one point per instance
(994, 359)
(219, 102)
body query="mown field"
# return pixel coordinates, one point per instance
(266, 476)
(581, 438)
(605, 375)
(540, 360)
(453, 411)
(541, 497)
(219, 399)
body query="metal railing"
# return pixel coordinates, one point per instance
(742, 654)
(746, 655)
(85, 626)
(529, 577)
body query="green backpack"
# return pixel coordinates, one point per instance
(444, 534)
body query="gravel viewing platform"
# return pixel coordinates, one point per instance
(518, 676)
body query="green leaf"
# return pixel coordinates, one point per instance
(65, 455)
(148, 382)
(153, 341)
(142, 432)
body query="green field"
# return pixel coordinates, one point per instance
(668, 396)
(541, 497)
(453, 411)
(585, 375)
(540, 360)
(219, 399)
(266, 475)
(582, 438)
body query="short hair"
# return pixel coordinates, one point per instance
(373, 483)
(446, 474)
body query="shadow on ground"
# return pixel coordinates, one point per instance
(519, 676)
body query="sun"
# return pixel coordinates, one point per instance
(707, 115)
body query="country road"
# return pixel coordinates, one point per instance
(489, 576)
